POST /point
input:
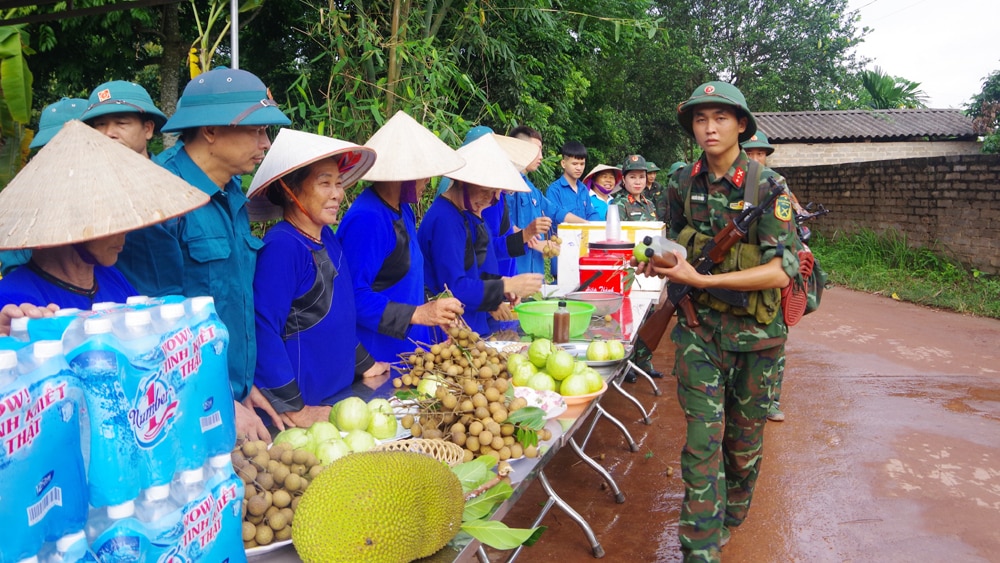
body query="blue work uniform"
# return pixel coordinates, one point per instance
(576, 202)
(507, 245)
(29, 284)
(524, 208)
(455, 245)
(305, 319)
(600, 206)
(387, 267)
(207, 251)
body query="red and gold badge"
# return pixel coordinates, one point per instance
(104, 95)
(738, 177)
(709, 89)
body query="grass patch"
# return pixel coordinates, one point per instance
(885, 264)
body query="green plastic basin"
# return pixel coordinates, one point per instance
(536, 317)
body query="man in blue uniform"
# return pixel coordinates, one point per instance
(222, 117)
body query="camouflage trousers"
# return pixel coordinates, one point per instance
(643, 357)
(725, 397)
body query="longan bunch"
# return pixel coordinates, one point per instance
(275, 479)
(464, 355)
(552, 247)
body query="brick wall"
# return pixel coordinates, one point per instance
(812, 154)
(950, 203)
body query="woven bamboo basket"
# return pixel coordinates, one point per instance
(440, 450)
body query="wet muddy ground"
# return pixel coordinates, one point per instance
(890, 450)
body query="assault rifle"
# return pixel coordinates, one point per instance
(808, 214)
(714, 252)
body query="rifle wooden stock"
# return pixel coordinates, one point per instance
(651, 331)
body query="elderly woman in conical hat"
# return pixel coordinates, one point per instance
(73, 205)
(455, 241)
(379, 235)
(307, 343)
(601, 181)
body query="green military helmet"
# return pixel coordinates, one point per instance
(716, 93)
(651, 166)
(675, 167)
(758, 141)
(633, 162)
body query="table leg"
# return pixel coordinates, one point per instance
(632, 446)
(649, 378)
(645, 416)
(619, 495)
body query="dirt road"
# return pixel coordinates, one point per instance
(890, 452)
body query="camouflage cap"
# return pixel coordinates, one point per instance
(758, 141)
(716, 93)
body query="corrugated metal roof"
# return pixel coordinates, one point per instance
(858, 125)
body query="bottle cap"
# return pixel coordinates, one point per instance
(191, 476)
(157, 492)
(648, 252)
(97, 325)
(137, 300)
(19, 324)
(137, 318)
(64, 543)
(220, 461)
(647, 240)
(103, 306)
(8, 359)
(199, 303)
(562, 303)
(45, 349)
(67, 312)
(172, 310)
(123, 510)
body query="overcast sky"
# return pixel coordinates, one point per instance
(948, 46)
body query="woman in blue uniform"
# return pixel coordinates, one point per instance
(79, 219)
(379, 236)
(307, 344)
(455, 241)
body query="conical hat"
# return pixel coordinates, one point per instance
(409, 151)
(519, 151)
(292, 150)
(488, 166)
(81, 186)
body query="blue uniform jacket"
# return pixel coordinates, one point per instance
(448, 237)
(315, 362)
(576, 202)
(524, 208)
(24, 285)
(600, 206)
(387, 267)
(207, 251)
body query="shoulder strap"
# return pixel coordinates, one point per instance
(751, 195)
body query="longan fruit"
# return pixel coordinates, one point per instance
(481, 412)
(457, 428)
(501, 385)
(507, 429)
(292, 482)
(433, 434)
(265, 480)
(509, 440)
(494, 428)
(545, 434)
(500, 415)
(472, 443)
(273, 465)
(516, 450)
(485, 437)
(517, 404)
(449, 401)
(271, 511)
(265, 535)
(468, 455)
(287, 457)
(475, 427)
(466, 406)
(531, 451)
(257, 506)
(250, 449)
(504, 453)
(397, 382)
(406, 421)
(300, 457)
(279, 474)
(416, 430)
(283, 534)
(281, 498)
(492, 394)
(497, 443)
(249, 531)
(470, 387)
(479, 400)
(459, 438)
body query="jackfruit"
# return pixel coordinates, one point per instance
(378, 506)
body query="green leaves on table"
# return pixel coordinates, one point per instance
(475, 518)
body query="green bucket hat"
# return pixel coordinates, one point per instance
(759, 141)
(225, 96)
(54, 116)
(121, 96)
(634, 162)
(716, 93)
(675, 167)
(652, 167)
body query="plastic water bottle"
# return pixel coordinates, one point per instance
(117, 536)
(67, 312)
(8, 367)
(19, 329)
(660, 251)
(188, 486)
(103, 306)
(155, 504)
(137, 300)
(70, 548)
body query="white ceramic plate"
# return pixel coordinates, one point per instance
(262, 549)
(549, 401)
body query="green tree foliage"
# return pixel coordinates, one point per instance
(882, 91)
(15, 101)
(784, 56)
(984, 109)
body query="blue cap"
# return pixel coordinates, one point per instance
(225, 96)
(121, 96)
(53, 118)
(475, 133)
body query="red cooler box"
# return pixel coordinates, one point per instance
(611, 268)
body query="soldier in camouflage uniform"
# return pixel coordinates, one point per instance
(654, 189)
(726, 368)
(633, 205)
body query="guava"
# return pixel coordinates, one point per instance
(330, 450)
(542, 381)
(594, 380)
(382, 425)
(616, 350)
(352, 414)
(597, 351)
(522, 373)
(380, 405)
(359, 441)
(516, 360)
(539, 352)
(295, 437)
(575, 385)
(559, 364)
(428, 384)
(320, 432)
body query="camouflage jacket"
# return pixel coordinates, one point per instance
(634, 207)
